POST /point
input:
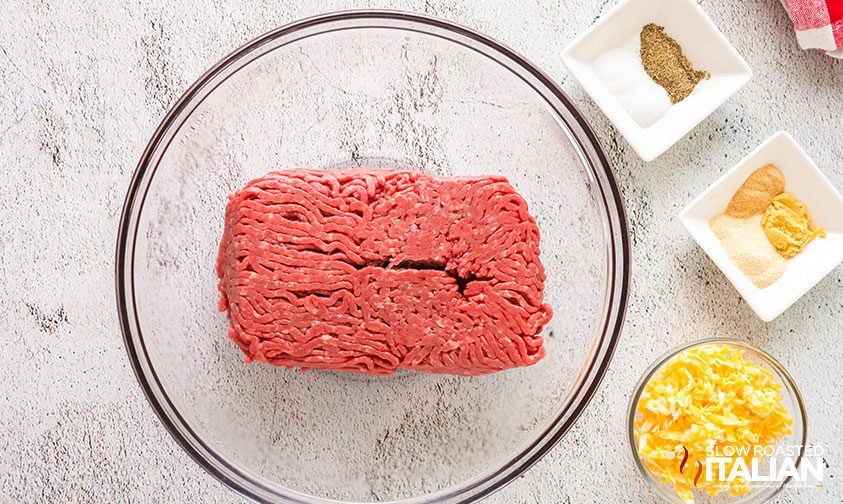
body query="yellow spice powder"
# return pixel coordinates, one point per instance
(788, 225)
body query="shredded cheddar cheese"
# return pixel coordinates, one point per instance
(700, 402)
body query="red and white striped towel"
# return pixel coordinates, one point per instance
(818, 24)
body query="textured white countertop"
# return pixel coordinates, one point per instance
(84, 86)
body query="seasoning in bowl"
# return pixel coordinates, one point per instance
(624, 76)
(648, 75)
(763, 226)
(667, 64)
(703, 401)
(788, 225)
(749, 248)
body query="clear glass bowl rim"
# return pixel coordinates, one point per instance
(779, 370)
(616, 231)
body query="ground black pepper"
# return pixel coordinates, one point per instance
(666, 64)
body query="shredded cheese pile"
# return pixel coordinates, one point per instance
(703, 400)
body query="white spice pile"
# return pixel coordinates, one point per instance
(749, 248)
(623, 74)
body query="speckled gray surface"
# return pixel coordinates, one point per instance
(84, 87)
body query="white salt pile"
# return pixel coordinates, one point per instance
(623, 74)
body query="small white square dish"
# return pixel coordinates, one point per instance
(701, 41)
(811, 187)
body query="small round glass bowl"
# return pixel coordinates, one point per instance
(366, 89)
(793, 443)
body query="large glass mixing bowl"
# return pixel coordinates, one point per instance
(366, 89)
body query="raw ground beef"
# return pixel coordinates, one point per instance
(371, 271)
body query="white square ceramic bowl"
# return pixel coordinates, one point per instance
(811, 187)
(701, 41)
